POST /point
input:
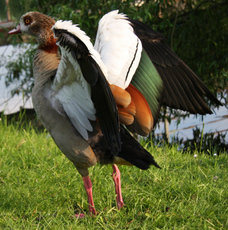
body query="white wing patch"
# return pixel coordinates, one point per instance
(74, 93)
(119, 48)
(74, 29)
(78, 108)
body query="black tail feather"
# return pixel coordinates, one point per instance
(134, 153)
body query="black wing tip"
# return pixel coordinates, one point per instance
(185, 90)
(148, 36)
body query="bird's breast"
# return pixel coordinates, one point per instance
(69, 141)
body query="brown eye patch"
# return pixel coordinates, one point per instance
(27, 20)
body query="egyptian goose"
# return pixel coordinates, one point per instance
(84, 94)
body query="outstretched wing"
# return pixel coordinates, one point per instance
(121, 51)
(81, 86)
(182, 87)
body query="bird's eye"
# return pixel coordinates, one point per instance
(27, 21)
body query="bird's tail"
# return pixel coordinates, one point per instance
(134, 153)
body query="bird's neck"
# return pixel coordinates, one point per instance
(45, 64)
(47, 57)
(48, 44)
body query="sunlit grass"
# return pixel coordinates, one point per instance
(40, 189)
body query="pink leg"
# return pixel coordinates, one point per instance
(116, 179)
(88, 188)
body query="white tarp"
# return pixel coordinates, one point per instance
(10, 104)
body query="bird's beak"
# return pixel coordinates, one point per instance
(16, 30)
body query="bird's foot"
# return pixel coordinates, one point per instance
(80, 216)
(120, 204)
(93, 211)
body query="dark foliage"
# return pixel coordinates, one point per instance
(209, 143)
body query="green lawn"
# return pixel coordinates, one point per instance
(41, 189)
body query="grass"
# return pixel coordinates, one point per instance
(40, 189)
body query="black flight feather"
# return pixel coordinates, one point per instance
(183, 88)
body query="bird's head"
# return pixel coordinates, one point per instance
(35, 24)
